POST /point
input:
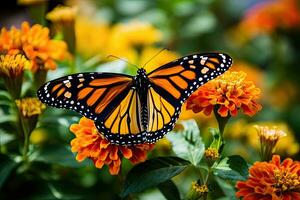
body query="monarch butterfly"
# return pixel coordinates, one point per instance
(130, 110)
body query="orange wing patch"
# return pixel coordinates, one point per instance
(179, 81)
(167, 71)
(109, 96)
(95, 96)
(56, 87)
(109, 81)
(84, 92)
(210, 65)
(189, 74)
(165, 84)
(215, 60)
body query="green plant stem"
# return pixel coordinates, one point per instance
(222, 121)
(13, 86)
(26, 134)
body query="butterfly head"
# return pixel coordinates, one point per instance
(141, 72)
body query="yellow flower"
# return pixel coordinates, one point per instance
(91, 36)
(62, 14)
(228, 93)
(126, 39)
(89, 143)
(135, 33)
(30, 107)
(211, 153)
(199, 188)
(13, 66)
(38, 136)
(268, 138)
(242, 130)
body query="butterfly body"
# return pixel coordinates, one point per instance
(142, 84)
(130, 110)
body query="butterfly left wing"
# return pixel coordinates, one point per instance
(172, 83)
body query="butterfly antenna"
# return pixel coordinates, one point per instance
(113, 56)
(155, 56)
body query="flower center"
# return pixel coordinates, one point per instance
(286, 180)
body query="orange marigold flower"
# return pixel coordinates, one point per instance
(271, 181)
(35, 43)
(89, 143)
(227, 93)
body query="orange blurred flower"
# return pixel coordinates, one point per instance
(272, 181)
(35, 43)
(267, 16)
(227, 93)
(89, 143)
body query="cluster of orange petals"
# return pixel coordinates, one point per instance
(228, 93)
(90, 144)
(35, 43)
(267, 16)
(271, 181)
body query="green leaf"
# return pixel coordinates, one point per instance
(61, 155)
(169, 190)
(7, 165)
(227, 188)
(188, 144)
(217, 139)
(151, 173)
(232, 168)
(6, 137)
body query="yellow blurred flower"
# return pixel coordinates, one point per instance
(240, 129)
(91, 36)
(30, 107)
(12, 66)
(62, 14)
(126, 39)
(268, 138)
(163, 145)
(38, 136)
(134, 33)
(159, 60)
(35, 43)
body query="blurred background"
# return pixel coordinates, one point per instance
(261, 36)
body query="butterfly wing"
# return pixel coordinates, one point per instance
(173, 83)
(107, 98)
